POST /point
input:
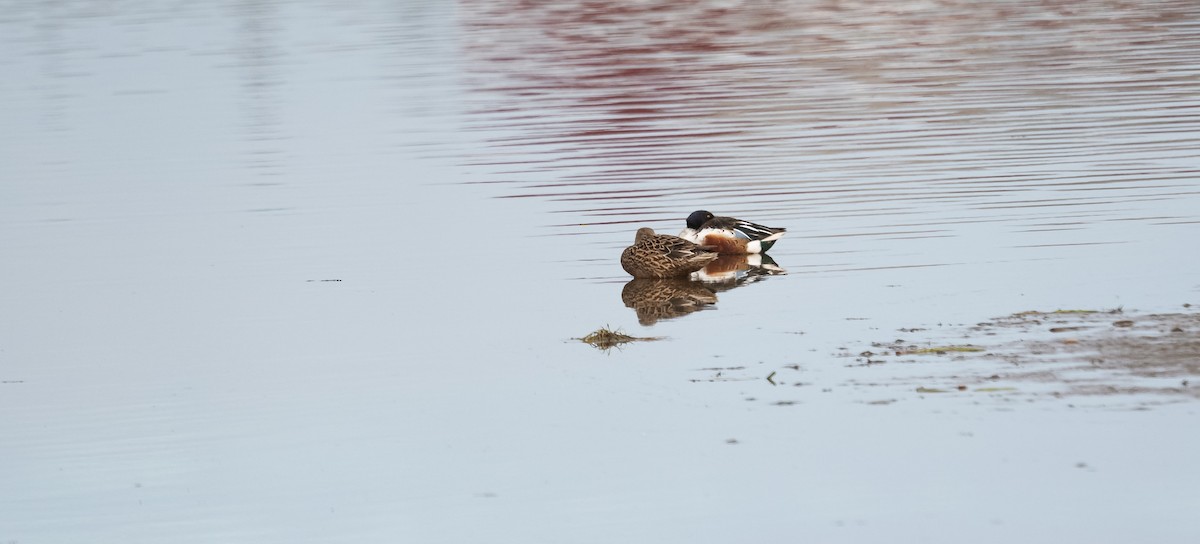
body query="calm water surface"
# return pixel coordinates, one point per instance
(306, 272)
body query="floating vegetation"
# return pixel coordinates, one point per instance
(1067, 329)
(931, 390)
(1072, 312)
(940, 350)
(1035, 313)
(605, 338)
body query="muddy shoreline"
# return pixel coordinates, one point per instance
(1113, 353)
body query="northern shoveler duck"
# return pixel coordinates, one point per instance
(663, 256)
(729, 235)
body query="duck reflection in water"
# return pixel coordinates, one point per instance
(656, 299)
(730, 271)
(674, 277)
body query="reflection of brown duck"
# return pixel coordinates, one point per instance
(731, 271)
(655, 299)
(663, 256)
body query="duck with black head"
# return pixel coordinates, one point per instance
(729, 235)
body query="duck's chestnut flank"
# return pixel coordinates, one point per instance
(729, 235)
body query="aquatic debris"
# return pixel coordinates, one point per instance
(721, 375)
(605, 338)
(1036, 312)
(1060, 312)
(1067, 329)
(940, 350)
(931, 390)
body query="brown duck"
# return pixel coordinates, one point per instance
(663, 256)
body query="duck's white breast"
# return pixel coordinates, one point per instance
(690, 235)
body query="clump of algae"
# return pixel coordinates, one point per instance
(940, 350)
(605, 338)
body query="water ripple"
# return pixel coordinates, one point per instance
(945, 113)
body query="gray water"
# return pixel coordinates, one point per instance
(306, 272)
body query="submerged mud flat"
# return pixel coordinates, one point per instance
(1124, 356)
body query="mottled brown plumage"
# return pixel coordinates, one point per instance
(656, 299)
(663, 256)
